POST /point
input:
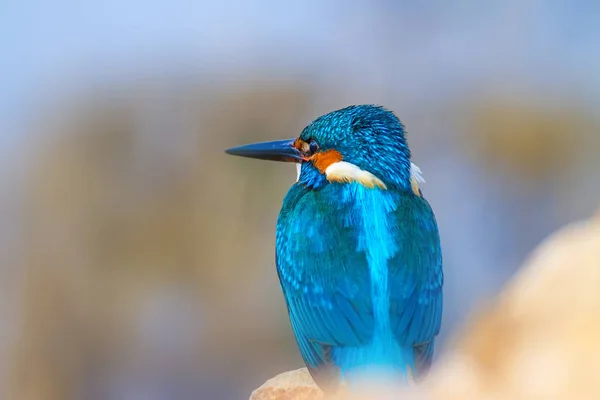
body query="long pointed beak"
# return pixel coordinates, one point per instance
(278, 150)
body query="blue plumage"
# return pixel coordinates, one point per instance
(357, 249)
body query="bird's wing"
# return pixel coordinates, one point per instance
(415, 279)
(327, 286)
(324, 279)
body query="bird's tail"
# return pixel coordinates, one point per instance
(375, 363)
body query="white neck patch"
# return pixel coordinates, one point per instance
(347, 172)
(416, 177)
(416, 174)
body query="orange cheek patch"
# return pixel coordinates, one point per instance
(298, 144)
(324, 159)
(301, 145)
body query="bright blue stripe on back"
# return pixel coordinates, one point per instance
(372, 208)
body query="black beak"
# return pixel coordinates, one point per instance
(278, 150)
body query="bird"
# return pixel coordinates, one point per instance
(358, 250)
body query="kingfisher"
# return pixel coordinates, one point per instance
(358, 250)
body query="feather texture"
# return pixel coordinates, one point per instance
(358, 251)
(361, 272)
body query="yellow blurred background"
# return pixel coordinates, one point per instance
(138, 259)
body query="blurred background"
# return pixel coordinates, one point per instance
(137, 260)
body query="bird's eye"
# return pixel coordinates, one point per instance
(313, 147)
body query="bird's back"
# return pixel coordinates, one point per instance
(361, 271)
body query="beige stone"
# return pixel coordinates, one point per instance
(291, 385)
(541, 339)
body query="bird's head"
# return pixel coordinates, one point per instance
(363, 143)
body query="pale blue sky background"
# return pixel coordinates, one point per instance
(439, 44)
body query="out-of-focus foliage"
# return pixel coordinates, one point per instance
(149, 257)
(138, 239)
(529, 137)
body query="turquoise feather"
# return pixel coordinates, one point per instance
(360, 268)
(362, 276)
